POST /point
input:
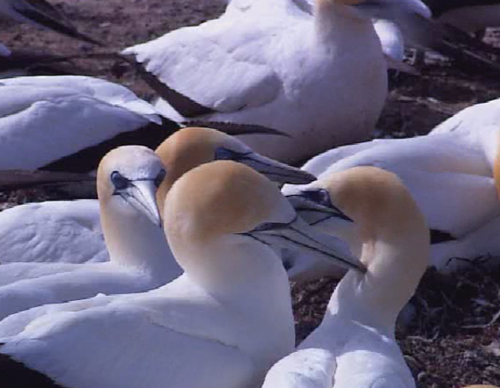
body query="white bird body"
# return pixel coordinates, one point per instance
(229, 314)
(391, 39)
(355, 345)
(302, 77)
(450, 175)
(35, 113)
(140, 258)
(70, 231)
(472, 118)
(368, 357)
(174, 326)
(62, 231)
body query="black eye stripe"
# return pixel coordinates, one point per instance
(222, 153)
(119, 181)
(160, 177)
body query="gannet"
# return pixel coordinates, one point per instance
(140, 259)
(390, 36)
(450, 175)
(70, 122)
(42, 14)
(323, 81)
(229, 314)
(355, 347)
(70, 231)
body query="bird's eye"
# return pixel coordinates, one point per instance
(119, 181)
(320, 196)
(160, 177)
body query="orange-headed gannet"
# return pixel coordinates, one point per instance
(321, 80)
(70, 231)
(452, 177)
(229, 314)
(355, 345)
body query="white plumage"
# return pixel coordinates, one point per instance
(450, 176)
(229, 314)
(47, 118)
(140, 258)
(62, 231)
(322, 80)
(70, 231)
(472, 119)
(355, 345)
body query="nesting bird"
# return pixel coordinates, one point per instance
(69, 123)
(464, 223)
(321, 80)
(140, 259)
(229, 314)
(355, 345)
(70, 231)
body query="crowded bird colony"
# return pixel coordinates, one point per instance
(253, 168)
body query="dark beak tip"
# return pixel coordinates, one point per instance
(310, 178)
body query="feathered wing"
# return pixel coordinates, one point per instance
(471, 119)
(307, 368)
(62, 232)
(34, 105)
(122, 346)
(82, 283)
(205, 66)
(15, 272)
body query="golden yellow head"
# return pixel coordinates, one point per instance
(381, 205)
(220, 198)
(189, 148)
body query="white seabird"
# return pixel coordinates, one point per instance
(70, 231)
(70, 122)
(453, 177)
(229, 314)
(140, 259)
(321, 80)
(355, 345)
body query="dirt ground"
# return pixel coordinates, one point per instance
(453, 338)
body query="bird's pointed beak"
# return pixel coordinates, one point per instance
(272, 169)
(299, 236)
(142, 196)
(314, 206)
